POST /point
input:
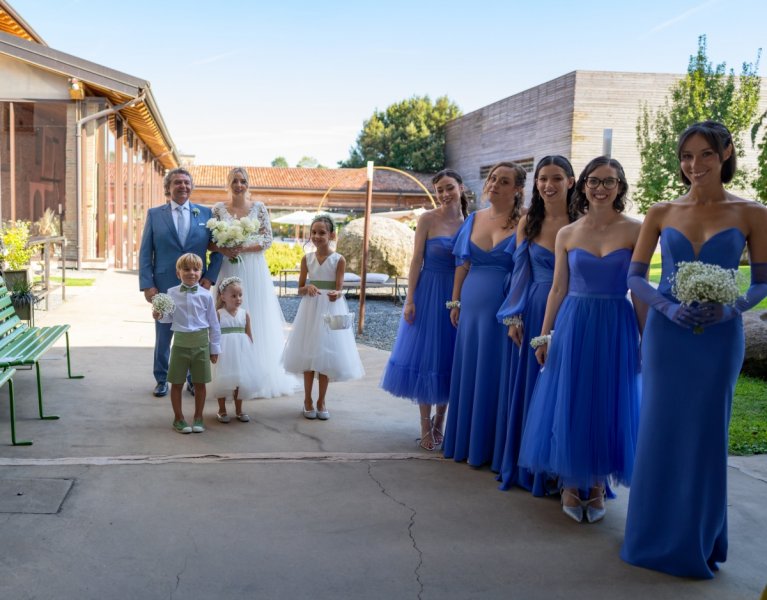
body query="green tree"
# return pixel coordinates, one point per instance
(407, 135)
(280, 161)
(308, 162)
(760, 181)
(705, 92)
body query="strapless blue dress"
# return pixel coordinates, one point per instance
(420, 362)
(482, 347)
(677, 514)
(530, 287)
(584, 413)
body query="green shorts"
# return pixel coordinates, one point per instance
(190, 353)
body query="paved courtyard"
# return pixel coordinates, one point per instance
(109, 502)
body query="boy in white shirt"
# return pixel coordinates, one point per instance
(196, 340)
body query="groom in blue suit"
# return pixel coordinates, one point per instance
(171, 230)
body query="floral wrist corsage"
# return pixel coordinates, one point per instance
(541, 340)
(450, 304)
(516, 321)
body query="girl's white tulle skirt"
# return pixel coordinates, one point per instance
(314, 346)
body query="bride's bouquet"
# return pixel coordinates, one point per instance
(699, 282)
(234, 233)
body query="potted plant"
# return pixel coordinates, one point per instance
(16, 253)
(24, 300)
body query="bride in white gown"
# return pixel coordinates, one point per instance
(267, 322)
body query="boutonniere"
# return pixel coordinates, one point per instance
(196, 212)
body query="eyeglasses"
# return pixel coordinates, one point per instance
(608, 182)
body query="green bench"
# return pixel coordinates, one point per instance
(23, 345)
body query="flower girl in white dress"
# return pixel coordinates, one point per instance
(234, 375)
(314, 344)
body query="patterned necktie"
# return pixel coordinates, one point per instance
(182, 223)
(187, 288)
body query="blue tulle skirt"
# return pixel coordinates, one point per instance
(583, 417)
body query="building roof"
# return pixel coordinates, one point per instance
(321, 180)
(12, 23)
(144, 118)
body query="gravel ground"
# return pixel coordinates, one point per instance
(381, 317)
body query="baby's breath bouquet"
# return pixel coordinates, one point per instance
(163, 304)
(698, 282)
(234, 233)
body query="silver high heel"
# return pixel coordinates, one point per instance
(595, 514)
(574, 512)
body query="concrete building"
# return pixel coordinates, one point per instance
(80, 139)
(567, 115)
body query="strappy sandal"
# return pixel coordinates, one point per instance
(427, 441)
(436, 433)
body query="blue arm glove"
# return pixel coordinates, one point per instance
(682, 315)
(710, 313)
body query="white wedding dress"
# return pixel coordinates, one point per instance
(267, 323)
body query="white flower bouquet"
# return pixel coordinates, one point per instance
(234, 233)
(699, 282)
(163, 304)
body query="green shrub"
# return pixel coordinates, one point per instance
(16, 253)
(283, 256)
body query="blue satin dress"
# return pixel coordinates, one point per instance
(530, 287)
(677, 514)
(422, 358)
(482, 346)
(584, 413)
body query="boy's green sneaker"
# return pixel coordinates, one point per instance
(198, 427)
(182, 426)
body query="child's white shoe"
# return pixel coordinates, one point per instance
(223, 417)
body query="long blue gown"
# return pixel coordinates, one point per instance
(482, 346)
(422, 358)
(584, 413)
(530, 287)
(677, 514)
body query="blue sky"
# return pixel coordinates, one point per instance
(241, 82)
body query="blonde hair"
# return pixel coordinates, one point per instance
(232, 174)
(188, 261)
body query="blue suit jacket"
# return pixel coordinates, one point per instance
(161, 247)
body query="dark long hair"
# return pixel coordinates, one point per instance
(537, 211)
(454, 175)
(520, 175)
(720, 139)
(582, 203)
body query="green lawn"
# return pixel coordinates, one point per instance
(73, 281)
(745, 278)
(748, 425)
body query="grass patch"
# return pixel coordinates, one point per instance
(748, 424)
(72, 281)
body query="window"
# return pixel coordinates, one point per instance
(528, 164)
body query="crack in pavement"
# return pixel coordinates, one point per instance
(309, 436)
(411, 525)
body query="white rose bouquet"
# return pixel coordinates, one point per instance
(163, 304)
(234, 233)
(699, 282)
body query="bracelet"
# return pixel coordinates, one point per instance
(541, 340)
(450, 304)
(516, 321)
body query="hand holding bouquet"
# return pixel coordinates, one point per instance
(696, 283)
(163, 305)
(235, 233)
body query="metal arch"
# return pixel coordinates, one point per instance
(422, 186)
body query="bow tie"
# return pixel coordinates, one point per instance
(186, 288)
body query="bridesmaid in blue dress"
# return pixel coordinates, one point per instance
(584, 413)
(677, 514)
(551, 208)
(482, 346)
(422, 358)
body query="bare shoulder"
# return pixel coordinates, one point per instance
(566, 233)
(521, 228)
